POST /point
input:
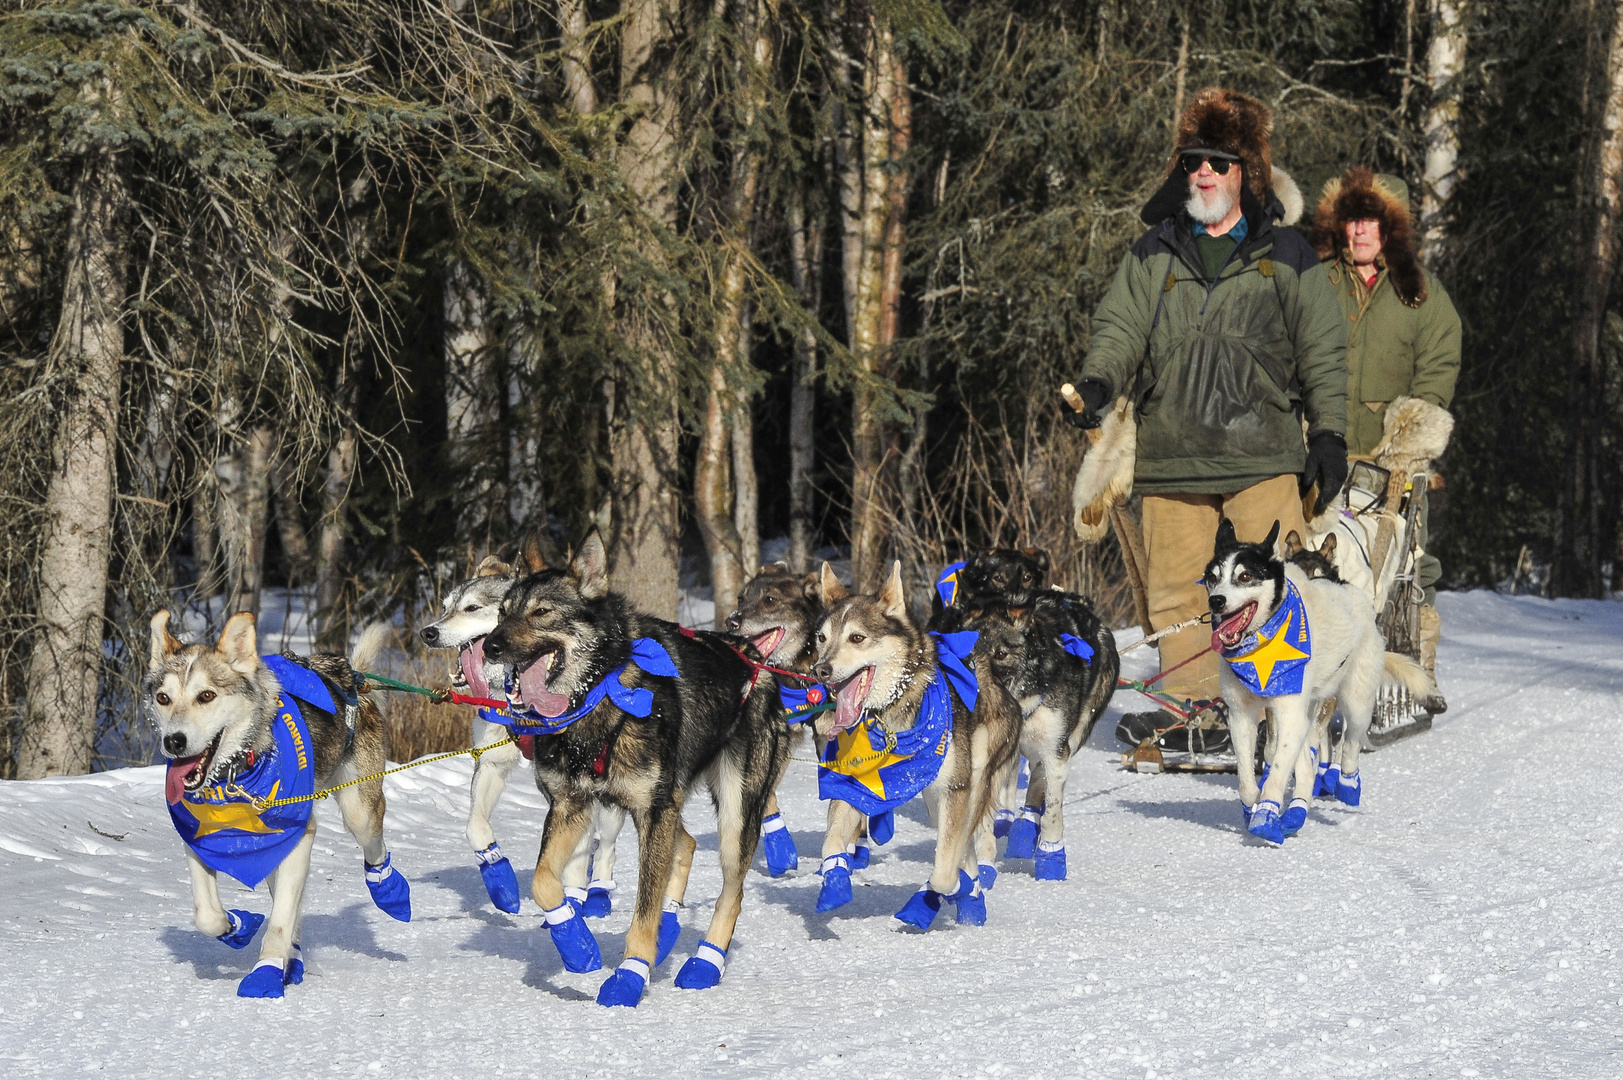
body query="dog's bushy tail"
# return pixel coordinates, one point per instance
(375, 637)
(1402, 671)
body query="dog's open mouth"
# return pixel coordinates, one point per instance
(849, 697)
(1227, 634)
(187, 774)
(532, 686)
(766, 644)
(470, 668)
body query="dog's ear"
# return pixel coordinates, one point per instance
(830, 586)
(1272, 538)
(493, 567)
(1328, 548)
(1040, 557)
(534, 561)
(811, 586)
(164, 644)
(239, 644)
(1226, 540)
(1293, 544)
(893, 597)
(1020, 619)
(590, 568)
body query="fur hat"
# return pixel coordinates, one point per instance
(1362, 195)
(1235, 123)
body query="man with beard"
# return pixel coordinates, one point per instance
(1223, 330)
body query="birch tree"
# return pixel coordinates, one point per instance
(1445, 61)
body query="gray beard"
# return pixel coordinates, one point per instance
(1209, 213)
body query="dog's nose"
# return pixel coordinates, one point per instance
(430, 635)
(735, 620)
(495, 645)
(1217, 602)
(174, 744)
(824, 671)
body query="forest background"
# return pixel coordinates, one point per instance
(339, 296)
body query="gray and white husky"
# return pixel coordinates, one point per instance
(1246, 586)
(468, 613)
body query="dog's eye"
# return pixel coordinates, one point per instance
(1001, 654)
(857, 639)
(205, 697)
(821, 637)
(471, 607)
(769, 600)
(161, 698)
(1242, 577)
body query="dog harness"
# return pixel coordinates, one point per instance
(647, 653)
(219, 822)
(803, 703)
(876, 770)
(1272, 659)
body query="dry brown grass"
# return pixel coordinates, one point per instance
(417, 725)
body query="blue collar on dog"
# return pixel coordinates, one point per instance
(1271, 660)
(875, 771)
(646, 653)
(219, 822)
(803, 703)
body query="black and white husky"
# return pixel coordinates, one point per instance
(468, 613)
(241, 730)
(1292, 642)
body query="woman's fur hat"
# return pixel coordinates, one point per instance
(1235, 123)
(1361, 195)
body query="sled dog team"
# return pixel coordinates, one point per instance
(625, 714)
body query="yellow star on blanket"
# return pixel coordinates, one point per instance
(213, 817)
(1271, 651)
(854, 756)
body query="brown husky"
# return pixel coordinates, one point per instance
(238, 727)
(888, 676)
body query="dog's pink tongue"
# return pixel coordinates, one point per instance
(532, 684)
(849, 699)
(472, 661)
(174, 779)
(1229, 626)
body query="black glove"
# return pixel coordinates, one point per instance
(1094, 393)
(1326, 466)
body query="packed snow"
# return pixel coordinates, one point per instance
(1462, 922)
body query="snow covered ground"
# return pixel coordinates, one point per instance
(1464, 922)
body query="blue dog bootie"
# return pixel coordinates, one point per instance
(264, 981)
(836, 890)
(1265, 824)
(1050, 861)
(1349, 788)
(670, 928)
(500, 881)
(703, 969)
(576, 897)
(921, 909)
(599, 899)
(625, 984)
(389, 888)
(1023, 781)
(244, 925)
(1294, 817)
(861, 856)
(779, 846)
(573, 938)
(1245, 813)
(1001, 823)
(970, 901)
(1320, 768)
(882, 827)
(1023, 834)
(293, 970)
(988, 874)
(1332, 779)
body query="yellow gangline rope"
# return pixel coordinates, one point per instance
(266, 804)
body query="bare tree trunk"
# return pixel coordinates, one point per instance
(332, 628)
(470, 407)
(1182, 75)
(1579, 551)
(526, 499)
(1408, 65)
(578, 88)
(643, 442)
(290, 522)
(206, 536)
(746, 485)
(244, 475)
(64, 668)
(806, 264)
(1445, 61)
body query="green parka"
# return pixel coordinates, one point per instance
(1222, 371)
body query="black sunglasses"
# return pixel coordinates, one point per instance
(1191, 163)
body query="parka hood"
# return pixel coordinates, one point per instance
(1362, 195)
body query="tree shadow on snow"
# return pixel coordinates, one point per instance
(531, 946)
(1221, 814)
(350, 930)
(470, 888)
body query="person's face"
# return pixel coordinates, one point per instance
(1212, 189)
(1364, 240)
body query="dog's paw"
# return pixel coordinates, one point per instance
(1294, 817)
(599, 900)
(920, 911)
(1023, 834)
(881, 827)
(972, 910)
(625, 984)
(293, 970)
(264, 981)
(1349, 788)
(244, 925)
(500, 882)
(670, 928)
(779, 846)
(575, 943)
(988, 876)
(389, 888)
(1330, 781)
(861, 857)
(703, 969)
(1245, 813)
(1050, 865)
(1265, 824)
(836, 890)
(1001, 823)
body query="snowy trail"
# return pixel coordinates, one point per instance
(1463, 922)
